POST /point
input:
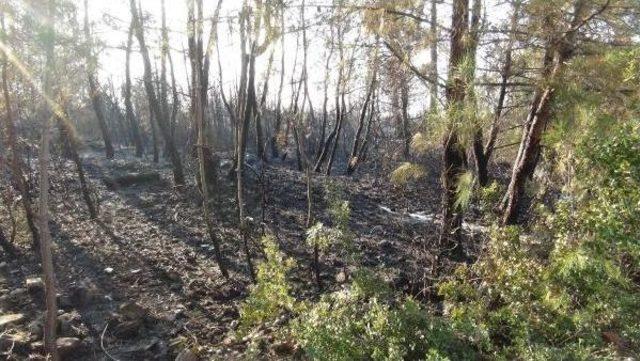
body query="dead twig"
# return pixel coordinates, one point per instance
(102, 343)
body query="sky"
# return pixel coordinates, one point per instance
(110, 21)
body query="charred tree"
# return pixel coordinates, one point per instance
(128, 105)
(46, 253)
(16, 163)
(70, 146)
(560, 48)
(197, 110)
(94, 87)
(357, 142)
(483, 151)
(154, 103)
(275, 136)
(454, 154)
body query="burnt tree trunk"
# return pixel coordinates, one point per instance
(128, 105)
(260, 145)
(355, 149)
(275, 137)
(325, 113)
(197, 109)
(454, 154)
(404, 114)
(94, 88)
(337, 136)
(483, 151)
(559, 50)
(17, 174)
(6, 245)
(46, 253)
(156, 107)
(70, 145)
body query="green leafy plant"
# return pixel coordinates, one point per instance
(271, 295)
(569, 292)
(406, 173)
(464, 190)
(365, 322)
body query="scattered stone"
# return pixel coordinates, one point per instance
(11, 319)
(3, 266)
(17, 293)
(68, 345)
(127, 329)
(132, 311)
(17, 340)
(4, 301)
(385, 244)
(108, 270)
(228, 341)
(187, 355)
(34, 285)
(139, 349)
(66, 321)
(341, 277)
(35, 329)
(83, 294)
(283, 348)
(131, 179)
(226, 292)
(64, 301)
(171, 275)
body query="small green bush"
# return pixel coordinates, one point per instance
(557, 296)
(271, 294)
(365, 322)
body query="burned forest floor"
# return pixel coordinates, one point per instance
(141, 283)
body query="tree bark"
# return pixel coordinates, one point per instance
(433, 101)
(260, 145)
(454, 154)
(154, 136)
(559, 50)
(406, 133)
(6, 245)
(195, 55)
(17, 174)
(483, 151)
(276, 131)
(247, 104)
(242, 132)
(175, 106)
(337, 135)
(156, 108)
(128, 105)
(94, 87)
(355, 149)
(43, 206)
(70, 144)
(325, 113)
(327, 150)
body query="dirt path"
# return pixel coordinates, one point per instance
(142, 283)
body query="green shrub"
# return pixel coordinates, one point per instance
(271, 294)
(365, 322)
(555, 295)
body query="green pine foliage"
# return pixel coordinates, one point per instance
(271, 294)
(366, 322)
(567, 287)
